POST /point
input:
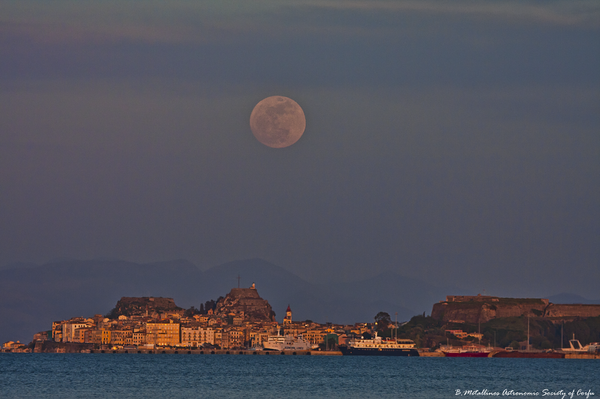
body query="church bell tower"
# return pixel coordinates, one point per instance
(288, 316)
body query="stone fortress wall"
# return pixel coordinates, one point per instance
(475, 309)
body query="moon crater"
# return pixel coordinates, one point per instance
(277, 121)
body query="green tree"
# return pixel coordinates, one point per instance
(382, 321)
(113, 314)
(191, 311)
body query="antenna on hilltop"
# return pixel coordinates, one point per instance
(238, 281)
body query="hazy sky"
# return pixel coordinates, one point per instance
(452, 141)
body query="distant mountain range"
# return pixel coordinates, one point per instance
(566, 298)
(32, 296)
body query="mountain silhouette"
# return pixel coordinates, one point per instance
(566, 298)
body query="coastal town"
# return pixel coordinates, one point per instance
(242, 319)
(243, 322)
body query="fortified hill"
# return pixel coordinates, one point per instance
(245, 303)
(143, 306)
(475, 309)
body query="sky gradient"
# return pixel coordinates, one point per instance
(456, 142)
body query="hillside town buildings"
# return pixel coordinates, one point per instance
(240, 320)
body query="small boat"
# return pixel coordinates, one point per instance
(468, 351)
(576, 347)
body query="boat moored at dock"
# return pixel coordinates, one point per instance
(379, 347)
(287, 343)
(468, 351)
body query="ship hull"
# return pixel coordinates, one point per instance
(530, 355)
(288, 343)
(467, 354)
(351, 351)
(286, 348)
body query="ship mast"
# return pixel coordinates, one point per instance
(562, 340)
(527, 333)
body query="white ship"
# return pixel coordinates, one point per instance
(576, 347)
(287, 343)
(380, 347)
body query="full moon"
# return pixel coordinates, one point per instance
(277, 121)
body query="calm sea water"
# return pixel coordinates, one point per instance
(222, 376)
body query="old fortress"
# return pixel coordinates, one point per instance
(481, 309)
